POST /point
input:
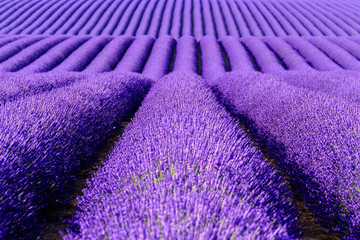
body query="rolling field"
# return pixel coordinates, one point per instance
(179, 119)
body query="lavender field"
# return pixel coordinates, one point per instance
(179, 119)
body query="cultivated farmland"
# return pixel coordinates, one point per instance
(179, 119)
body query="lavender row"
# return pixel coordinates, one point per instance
(157, 57)
(16, 86)
(197, 18)
(47, 137)
(344, 84)
(81, 58)
(312, 130)
(184, 169)
(55, 55)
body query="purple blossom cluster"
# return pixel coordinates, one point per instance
(47, 137)
(184, 169)
(312, 132)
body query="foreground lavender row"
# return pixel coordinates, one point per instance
(177, 18)
(47, 137)
(314, 134)
(156, 57)
(183, 169)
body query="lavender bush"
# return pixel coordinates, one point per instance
(46, 138)
(156, 19)
(286, 20)
(28, 18)
(184, 169)
(125, 18)
(16, 46)
(95, 18)
(114, 19)
(157, 57)
(72, 19)
(231, 23)
(85, 18)
(164, 28)
(348, 45)
(314, 136)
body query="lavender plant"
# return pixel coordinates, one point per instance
(239, 59)
(343, 58)
(312, 54)
(291, 58)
